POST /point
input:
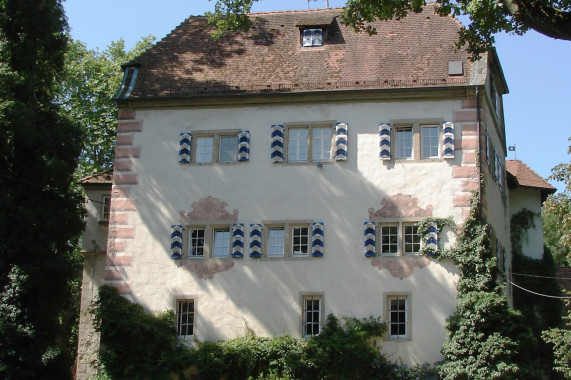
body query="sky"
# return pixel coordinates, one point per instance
(537, 69)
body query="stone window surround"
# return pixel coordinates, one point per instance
(416, 125)
(401, 223)
(287, 225)
(209, 229)
(309, 125)
(175, 298)
(215, 134)
(386, 307)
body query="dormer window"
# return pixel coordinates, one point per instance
(312, 37)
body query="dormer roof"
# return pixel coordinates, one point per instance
(413, 52)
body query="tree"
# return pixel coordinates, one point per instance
(561, 340)
(86, 93)
(41, 210)
(487, 17)
(557, 213)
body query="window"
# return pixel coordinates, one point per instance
(105, 208)
(309, 143)
(287, 239)
(398, 316)
(414, 140)
(219, 146)
(312, 314)
(209, 241)
(404, 143)
(312, 37)
(430, 141)
(185, 318)
(399, 238)
(221, 243)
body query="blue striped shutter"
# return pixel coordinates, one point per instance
(448, 140)
(495, 173)
(184, 152)
(243, 145)
(341, 142)
(255, 240)
(238, 240)
(487, 147)
(370, 242)
(176, 241)
(385, 141)
(432, 239)
(277, 146)
(317, 239)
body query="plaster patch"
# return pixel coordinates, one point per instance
(400, 267)
(209, 209)
(208, 268)
(399, 206)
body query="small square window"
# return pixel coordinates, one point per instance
(389, 240)
(204, 147)
(312, 314)
(404, 143)
(185, 318)
(430, 140)
(105, 208)
(312, 37)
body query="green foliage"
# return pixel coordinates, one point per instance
(556, 215)
(41, 206)
(487, 17)
(86, 93)
(136, 345)
(560, 338)
(484, 334)
(539, 313)
(425, 224)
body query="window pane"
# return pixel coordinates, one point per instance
(300, 240)
(311, 315)
(389, 240)
(411, 239)
(227, 149)
(185, 318)
(404, 143)
(321, 148)
(221, 243)
(398, 317)
(196, 243)
(105, 207)
(297, 145)
(430, 141)
(204, 149)
(276, 242)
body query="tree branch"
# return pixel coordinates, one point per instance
(542, 17)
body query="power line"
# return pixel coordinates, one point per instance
(539, 294)
(532, 275)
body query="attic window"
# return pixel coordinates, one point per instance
(312, 37)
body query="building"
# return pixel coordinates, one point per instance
(275, 176)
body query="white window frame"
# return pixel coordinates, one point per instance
(312, 37)
(390, 314)
(105, 208)
(215, 156)
(401, 237)
(209, 240)
(182, 318)
(317, 315)
(430, 141)
(416, 126)
(310, 142)
(221, 243)
(288, 227)
(404, 145)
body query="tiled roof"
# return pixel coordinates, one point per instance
(101, 178)
(410, 53)
(525, 177)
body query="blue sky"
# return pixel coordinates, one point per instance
(537, 68)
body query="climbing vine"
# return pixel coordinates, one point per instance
(429, 226)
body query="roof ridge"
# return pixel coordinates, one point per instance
(295, 11)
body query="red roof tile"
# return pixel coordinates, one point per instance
(101, 178)
(526, 177)
(410, 53)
